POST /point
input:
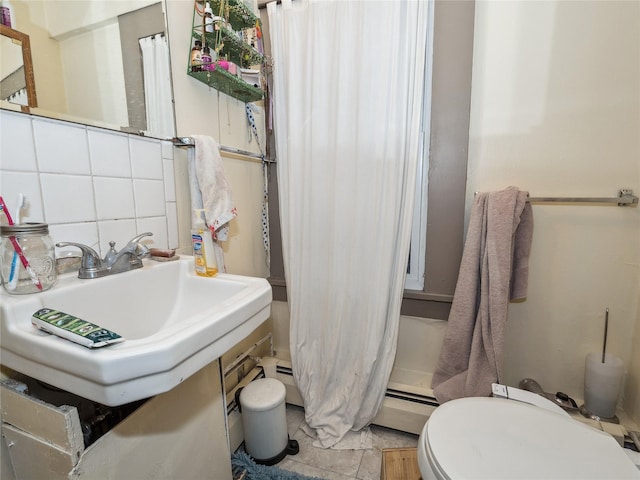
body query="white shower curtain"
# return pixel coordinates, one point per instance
(348, 88)
(157, 86)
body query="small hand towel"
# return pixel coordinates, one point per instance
(493, 270)
(210, 189)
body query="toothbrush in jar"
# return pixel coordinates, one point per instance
(13, 274)
(18, 248)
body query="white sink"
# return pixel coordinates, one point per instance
(174, 323)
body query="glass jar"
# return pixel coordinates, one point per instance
(37, 248)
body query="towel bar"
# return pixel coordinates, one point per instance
(188, 142)
(625, 198)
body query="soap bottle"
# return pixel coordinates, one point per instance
(203, 254)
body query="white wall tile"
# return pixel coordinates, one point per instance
(16, 142)
(169, 181)
(109, 153)
(167, 150)
(91, 186)
(61, 147)
(13, 183)
(157, 226)
(114, 198)
(146, 158)
(119, 231)
(85, 233)
(67, 198)
(173, 237)
(149, 197)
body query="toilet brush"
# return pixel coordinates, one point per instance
(603, 379)
(606, 328)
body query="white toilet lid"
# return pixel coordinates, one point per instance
(498, 438)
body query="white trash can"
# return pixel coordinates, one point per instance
(264, 421)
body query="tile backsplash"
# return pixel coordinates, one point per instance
(89, 184)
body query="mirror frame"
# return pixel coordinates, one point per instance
(23, 40)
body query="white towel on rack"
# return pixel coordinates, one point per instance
(210, 189)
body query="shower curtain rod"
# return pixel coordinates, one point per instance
(625, 198)
(188, 142)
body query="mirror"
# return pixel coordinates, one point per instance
(99, 62)
(17, 84)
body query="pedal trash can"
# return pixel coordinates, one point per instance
(264, 421)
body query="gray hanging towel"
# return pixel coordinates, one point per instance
(493, 271)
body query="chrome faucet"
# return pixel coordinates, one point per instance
(129, 258)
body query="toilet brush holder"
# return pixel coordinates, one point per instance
(602, 384)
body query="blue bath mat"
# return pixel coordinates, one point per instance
(241, 462)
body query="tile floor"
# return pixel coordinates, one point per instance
(340, 464)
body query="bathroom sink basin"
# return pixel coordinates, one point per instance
(173, 321)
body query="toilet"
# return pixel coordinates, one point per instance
(498, 438)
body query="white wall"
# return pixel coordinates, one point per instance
(556, 111)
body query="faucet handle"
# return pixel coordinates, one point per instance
(111, 253)
(90, 259)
